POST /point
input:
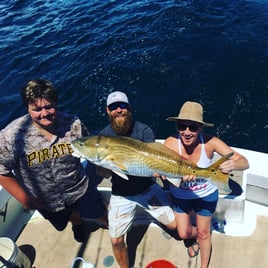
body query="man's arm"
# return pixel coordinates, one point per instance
(10, 184)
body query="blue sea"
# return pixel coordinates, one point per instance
(161, 53)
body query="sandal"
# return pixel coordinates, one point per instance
(195, 249)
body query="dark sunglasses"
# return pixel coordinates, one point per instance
(192, 128)
(121, 105)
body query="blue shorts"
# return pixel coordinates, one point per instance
(90, 205)
(205, 206)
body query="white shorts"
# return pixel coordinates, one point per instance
(122, 209)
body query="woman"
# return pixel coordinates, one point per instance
(196, 194)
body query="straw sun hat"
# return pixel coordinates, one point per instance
(192, 111)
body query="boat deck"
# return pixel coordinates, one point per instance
(244, 243)
(57, 249)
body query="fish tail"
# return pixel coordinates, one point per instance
(220, 179)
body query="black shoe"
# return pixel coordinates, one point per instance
(83, 230)
(79, 232)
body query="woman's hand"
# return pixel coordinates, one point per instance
(188, 177)
(227, 166)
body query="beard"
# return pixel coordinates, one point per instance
(121, 124)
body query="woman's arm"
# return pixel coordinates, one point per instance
(235, 162)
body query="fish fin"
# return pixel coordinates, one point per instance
(158, 146)
(175, 181)
(120, 166)
(161, 147)
(122, 175)
(220, 161)
(116, 163)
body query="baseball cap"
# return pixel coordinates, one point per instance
(117, 96)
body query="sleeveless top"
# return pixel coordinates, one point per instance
(199, 187)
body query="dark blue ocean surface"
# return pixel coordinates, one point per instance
(161, 53)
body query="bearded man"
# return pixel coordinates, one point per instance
(137, 191)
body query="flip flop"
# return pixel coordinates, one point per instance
(195, 251)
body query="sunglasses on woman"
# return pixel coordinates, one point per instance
(192, 128)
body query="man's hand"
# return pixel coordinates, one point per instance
(33, 203)
(103, 172)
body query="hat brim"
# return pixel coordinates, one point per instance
(205, 124)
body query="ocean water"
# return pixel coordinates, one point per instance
(161, 53)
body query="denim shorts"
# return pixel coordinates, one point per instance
(122, 209)
(204, 206)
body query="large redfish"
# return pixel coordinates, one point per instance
(127, 156)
